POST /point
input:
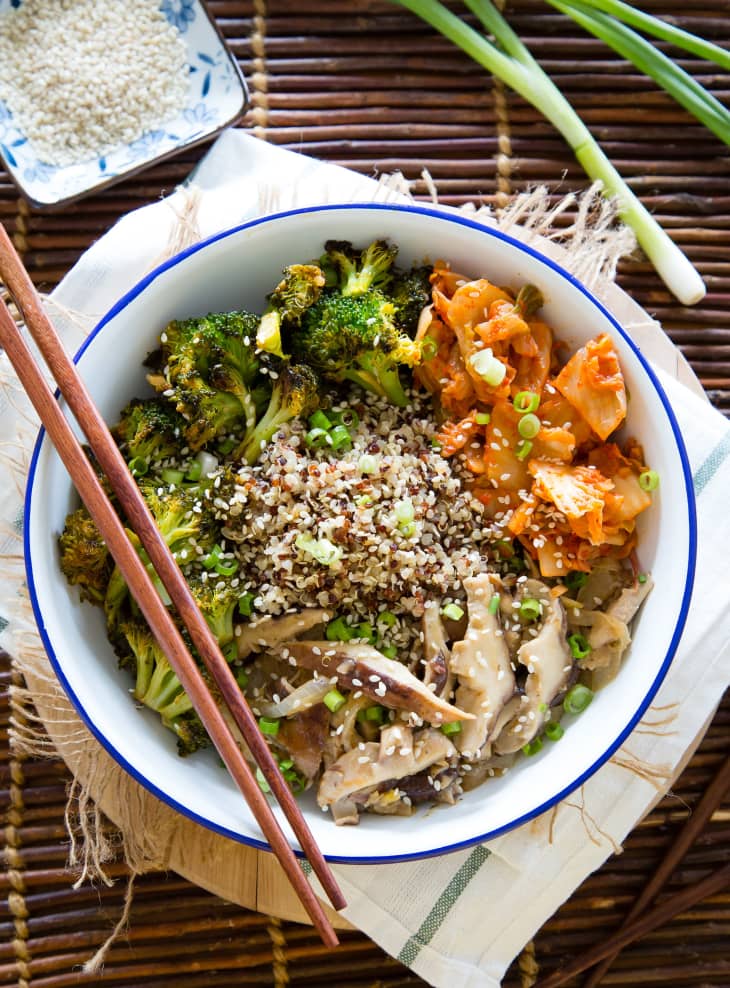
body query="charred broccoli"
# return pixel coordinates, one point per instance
(217, 599)
(209, 370)
(295, 393)
(300, 287)
(149, 430)
(85, 559)
(410, 292)
(351, 332)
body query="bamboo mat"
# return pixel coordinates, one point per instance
(367, 86)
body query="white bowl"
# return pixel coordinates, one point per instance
(235, 269)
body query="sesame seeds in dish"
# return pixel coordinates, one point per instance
(405, 515)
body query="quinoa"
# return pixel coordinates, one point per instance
(381, 564)
(84, 76)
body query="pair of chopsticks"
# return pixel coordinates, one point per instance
(20, 287)
(638, 923)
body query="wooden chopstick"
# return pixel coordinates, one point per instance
(696, 822)
(670, 907)
(114, 467)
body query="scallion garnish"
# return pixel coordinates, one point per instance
(389, 651)
(528, 426)
(213, 558)
(577, 699)
(526, 402)
(339, 631)
(319, 421)
(530, 609)
(649, 480)
(490, 368)
(579, 646)
(227, 567)
(575, 580)
(347, 417)
(139, 466)
(333, 700)
(245, 604)
(263, 784)
(324, 551)
(523, 449)
(269, 725)
(494, 604)
(170, 476)
(387, 618)
(482, 418)
(453, 727)
(532, 747)
(317, 438)
(453, 612)
(367, 463)
(554, 731)
(340, 438)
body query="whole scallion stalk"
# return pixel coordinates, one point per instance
(510, 61)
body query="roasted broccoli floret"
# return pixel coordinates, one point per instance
(149, 430)
(295, 393)
(191, 735)
(217, 599)
(360, 271)
(410, 292)
(85, 559)
(156, 684)
(183, 517)
(299, 288)
(354, 338)
(208, 368)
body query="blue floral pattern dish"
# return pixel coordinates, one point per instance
(217, 96)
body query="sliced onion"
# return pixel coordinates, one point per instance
(208, 462)
(304, 697)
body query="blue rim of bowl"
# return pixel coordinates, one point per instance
(691, 561)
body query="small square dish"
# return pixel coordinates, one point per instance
(217, 96)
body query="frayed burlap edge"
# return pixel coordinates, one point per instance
(43, 722)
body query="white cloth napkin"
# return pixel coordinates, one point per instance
(460, 919)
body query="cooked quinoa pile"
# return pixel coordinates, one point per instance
(355, 502)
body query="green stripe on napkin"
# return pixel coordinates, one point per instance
(712, 464)
(448, 898)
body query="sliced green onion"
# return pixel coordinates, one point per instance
(366, 631)
(579, 646)
(227, 568)
(364, 501)
(576, 579)
(532, 747)
(577, 699)
(453, 612)
(333, 700)
(526, 402)
(195, 471)
(491, 370)
(367, 463)
(245, 604)
(453, 727)
(482, 418)
(269, 725)
(286, 763)
(324, 551)
(170, 476)
(230, 652)
(529, 426)
(429, 348)
(642, 578)
(375, 714)
(404, 511)
(407, 529)
(261, 779)
(554, 731)
(340, 438)
(389, 651)
(387, 618)
(213, 558)
(530, 609)
(317, 438)
(436, 445)
(494, 604)
(338, 631)
(523, 449)
(347, 417)
(242, 678)
(319, 421)
(649, 480)
(509, 60)
(138, 466)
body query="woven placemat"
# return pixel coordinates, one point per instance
(368, 86)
